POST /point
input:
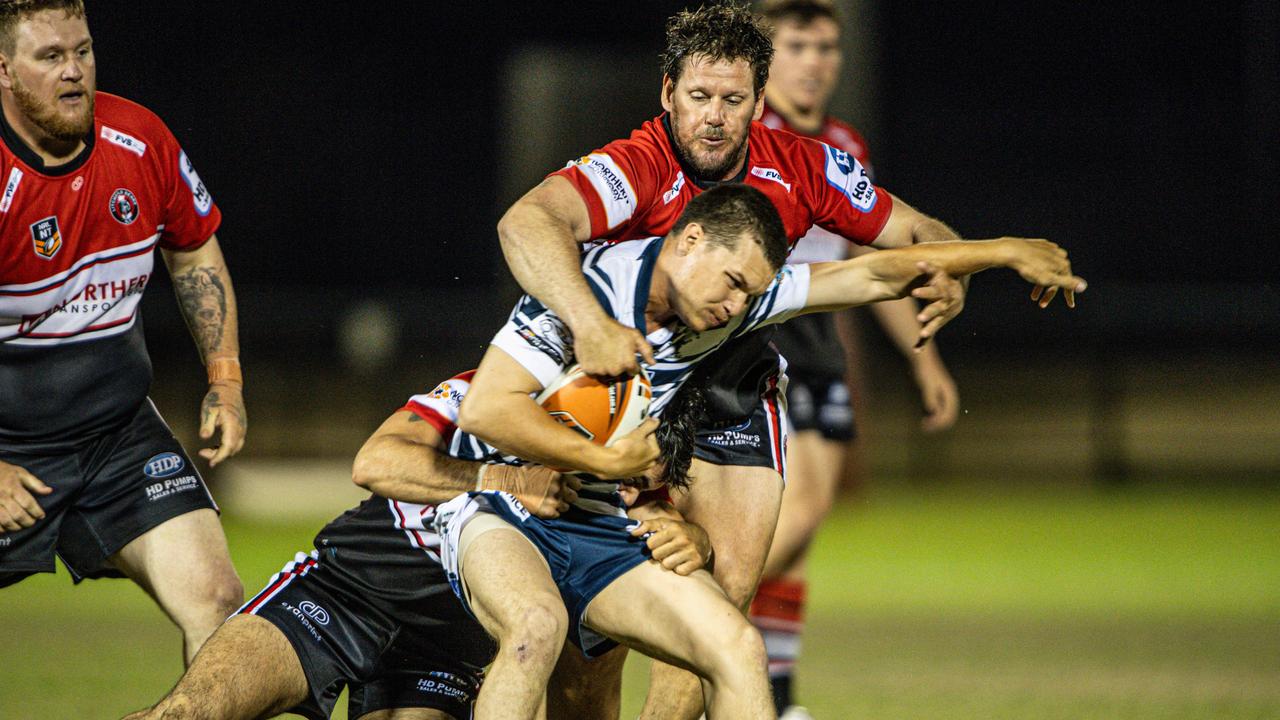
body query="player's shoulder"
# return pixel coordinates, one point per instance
(443, 402)
(781, 146)
(845, 137)
(128, 123)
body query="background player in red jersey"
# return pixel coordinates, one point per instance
(806, 66)
(88, 469)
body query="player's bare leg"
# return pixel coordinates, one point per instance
(514, 598)
(813, 476)
(688, 621)
(247, 670)
(738, 508)
(586, 689)
(183, 563)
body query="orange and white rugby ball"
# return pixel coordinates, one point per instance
(601, 411)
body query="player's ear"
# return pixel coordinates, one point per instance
(759, 112)
(689, 238)
(668, 92)
(6, 81)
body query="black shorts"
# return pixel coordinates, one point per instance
(372, 611)
(106, 493)
(820, 403)
(758, 441)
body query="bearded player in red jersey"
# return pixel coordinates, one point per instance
(715, 67)
(88, 469)
(806, 66)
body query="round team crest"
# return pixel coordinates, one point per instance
(124, 206)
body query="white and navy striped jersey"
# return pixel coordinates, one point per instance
(619, 275)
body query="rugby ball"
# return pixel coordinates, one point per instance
(601, 411)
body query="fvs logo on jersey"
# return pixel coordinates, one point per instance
(46, 237)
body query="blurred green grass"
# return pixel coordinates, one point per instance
(955, 602)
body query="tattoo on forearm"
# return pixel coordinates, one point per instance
(203, 299)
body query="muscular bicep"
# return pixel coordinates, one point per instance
(552, 202)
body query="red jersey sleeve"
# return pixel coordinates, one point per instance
(190, 215)
(843, 198)
(615, 181)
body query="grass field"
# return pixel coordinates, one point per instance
(965, 603)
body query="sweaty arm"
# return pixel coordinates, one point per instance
(404, 460)
(908, 226)
(540, 235)
(892, 273)
(208, 303)
(500, 409)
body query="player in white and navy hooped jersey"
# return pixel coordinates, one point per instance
(371, 609)
(715, 277)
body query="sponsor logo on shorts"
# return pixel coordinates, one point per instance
(46, 237)
(124, 206)
(735, 438)
(447, 684)
(314, 611)
(164, 465)
(303, 618)
(5, 541)
(172, 486)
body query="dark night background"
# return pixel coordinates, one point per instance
(364, 152)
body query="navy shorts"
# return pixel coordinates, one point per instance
(384, 622)
(758, 441)
(820, 403)
(106, 493)
(584, 550)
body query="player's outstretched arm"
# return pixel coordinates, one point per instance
(892, 273)
(208, 303)
(499, 409)
(405, 460)
(540, 235)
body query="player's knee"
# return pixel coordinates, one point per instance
(737, 650)
(538, 632)
(225, 594)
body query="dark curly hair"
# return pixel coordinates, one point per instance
(13, 12)
(676, 435)
(719, 31)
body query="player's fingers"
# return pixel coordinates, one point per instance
(29, 506)
(689, 567)
(643, 347)
(1049, 294)
(208, 418)
(6, 520)
(1035, 292)
(645, 526)
(1070, 297)
(569, 495)
(33, 483)
(572, 482)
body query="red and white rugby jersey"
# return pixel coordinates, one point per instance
(77, 248)
(819, 245)
(637, 188)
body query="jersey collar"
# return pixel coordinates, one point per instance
(689, 172)
(32, 159)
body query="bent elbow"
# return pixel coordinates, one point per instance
(365, 470)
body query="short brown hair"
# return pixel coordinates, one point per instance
(800, 12)
(728, 211)
(718, 31)
(13, 12)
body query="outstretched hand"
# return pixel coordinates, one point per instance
(1045, 265)
(945, 297)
